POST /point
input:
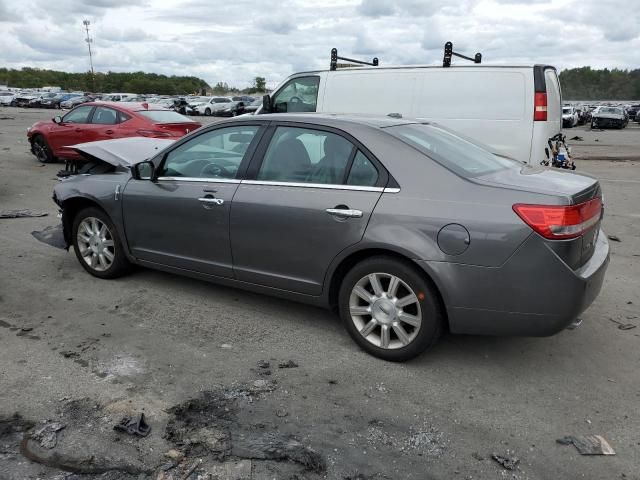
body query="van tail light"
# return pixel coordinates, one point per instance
(540, 107)
(561, 222)
(153, 133)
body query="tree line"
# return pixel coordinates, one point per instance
(134, 82)
(590, 84)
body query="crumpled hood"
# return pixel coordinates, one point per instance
(122, 152)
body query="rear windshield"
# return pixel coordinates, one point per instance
(464, 157)
(164, 116)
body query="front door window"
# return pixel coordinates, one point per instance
(299, 95)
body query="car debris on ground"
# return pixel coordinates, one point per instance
(507, 461)
(22, 213)
(588, 444)
(133, 425)
(52, 235)
(47, 435)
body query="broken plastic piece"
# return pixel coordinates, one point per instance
(588, 444)
(507, 462)
(133, 426)
(21, 214)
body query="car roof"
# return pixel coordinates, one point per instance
(333, 119)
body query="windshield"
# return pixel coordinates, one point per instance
(164, 116)
(464, 157)
(610, 110)
(566, 110)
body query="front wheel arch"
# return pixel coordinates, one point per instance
(70, 208)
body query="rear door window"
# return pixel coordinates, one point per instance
(363, 173)
(298, 95)
(303, 155)
(78, 115)
(104, 116)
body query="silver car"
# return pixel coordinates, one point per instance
(404, 228)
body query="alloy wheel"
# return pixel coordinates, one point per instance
(96, 244)
(40, 150)
(385, 310)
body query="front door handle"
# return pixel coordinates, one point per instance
(109, 132)
(211, 201)
(344, 212)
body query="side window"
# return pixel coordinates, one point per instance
(299, 95)
(105, 116)
(215, 154)
(78, 115)
(123, 117)
(363, 173)
(302, 155)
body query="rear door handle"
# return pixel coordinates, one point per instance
(344, 212)
(211, 201)
(109, 132)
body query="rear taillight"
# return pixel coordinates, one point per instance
(153, 133)
(560, 222)
(540, 107)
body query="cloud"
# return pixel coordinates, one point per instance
(281, 26)
(236, 41)
(376, 8)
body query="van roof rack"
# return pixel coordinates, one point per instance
(448, 53)
(334, 61)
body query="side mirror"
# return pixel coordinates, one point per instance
(143, 170)
(57, 119)
(266, 104)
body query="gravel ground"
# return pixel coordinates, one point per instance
(85, 352)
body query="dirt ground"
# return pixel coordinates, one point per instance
(81, 353)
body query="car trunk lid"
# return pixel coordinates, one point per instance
(177, 129)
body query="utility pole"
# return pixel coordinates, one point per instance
(86, 24)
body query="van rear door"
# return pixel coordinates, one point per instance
(547, 92)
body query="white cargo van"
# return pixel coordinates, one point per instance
(512, 109)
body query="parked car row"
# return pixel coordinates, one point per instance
(185, 105)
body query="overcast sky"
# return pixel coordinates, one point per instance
(235, 40)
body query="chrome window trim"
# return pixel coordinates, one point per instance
(198, 179)
(327, 186)
(391, 190)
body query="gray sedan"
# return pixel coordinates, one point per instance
(404, 228)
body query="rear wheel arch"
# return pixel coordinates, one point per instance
(354, 258)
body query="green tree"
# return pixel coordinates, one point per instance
(260, 84)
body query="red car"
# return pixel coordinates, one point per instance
(94, 121)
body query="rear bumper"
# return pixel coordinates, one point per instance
(533, 294)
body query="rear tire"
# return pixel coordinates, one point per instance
(400, 317)
(41, 149)
(97, 244)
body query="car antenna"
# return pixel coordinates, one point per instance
(334, 65)
(448, 53)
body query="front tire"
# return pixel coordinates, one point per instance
(207, 112)
(390, 310)
(42, 151)
(97, 244)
